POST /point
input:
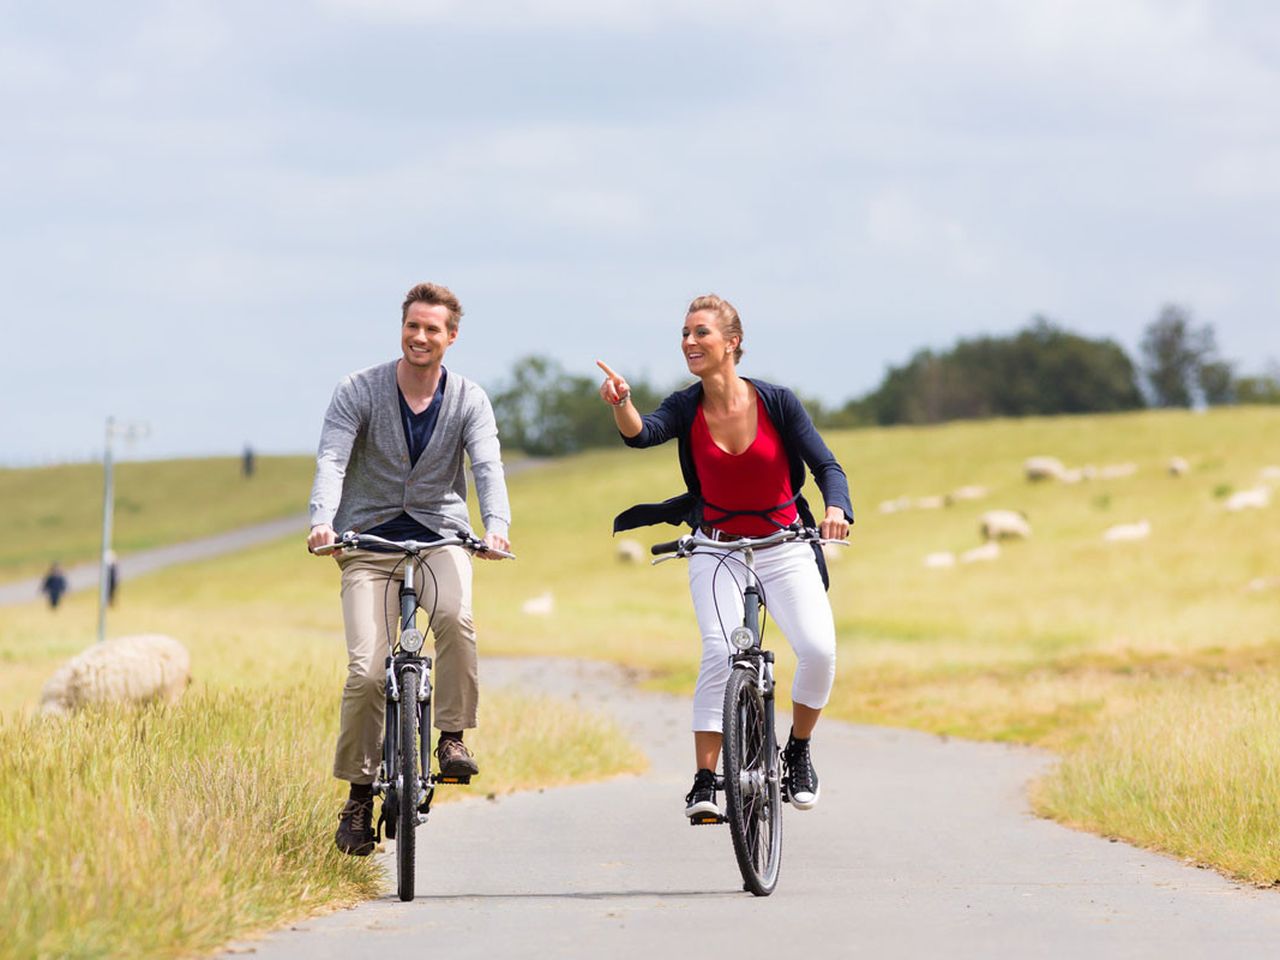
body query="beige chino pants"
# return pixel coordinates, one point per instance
(371, 607)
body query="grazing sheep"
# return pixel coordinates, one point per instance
(132, 669)
(1127, 532)
(988, 551)
(1004, 525)
(895, 505)
(931, 503)
(968, 493)
(543, 605)
(630, 551)
(1116, 471)
(1178, 467)
(940, 560)
(1253, 499)
(1042, 468)
(1075, 474)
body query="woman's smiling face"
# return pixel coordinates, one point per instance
(704, 344)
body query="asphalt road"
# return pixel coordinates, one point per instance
(920, 847)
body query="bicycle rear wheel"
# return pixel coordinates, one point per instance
(407, 765)
(751, 787)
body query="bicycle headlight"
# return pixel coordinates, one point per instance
(742, 638)
(411, 641)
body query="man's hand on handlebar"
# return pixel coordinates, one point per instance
(494, 542)
(321, 535)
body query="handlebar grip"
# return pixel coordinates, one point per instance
(660, 548)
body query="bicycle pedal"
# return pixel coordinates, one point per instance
(706, 819)
(463, 780)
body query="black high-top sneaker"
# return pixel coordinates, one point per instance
(701, 800)
(801, 778)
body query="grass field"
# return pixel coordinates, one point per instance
(55, 513)
(1056, 643)
(163, 832)
(1098, 651)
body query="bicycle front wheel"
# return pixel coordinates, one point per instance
(751, 785)
(407, 764)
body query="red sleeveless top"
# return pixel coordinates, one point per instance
(759, 478)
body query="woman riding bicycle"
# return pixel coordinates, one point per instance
(743, 447)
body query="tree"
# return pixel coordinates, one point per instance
(1181, 363)
(1040, 370)
(1262, 388)
(545, 411)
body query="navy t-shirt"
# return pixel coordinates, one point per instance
(418, 428)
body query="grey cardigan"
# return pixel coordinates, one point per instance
(363, 477)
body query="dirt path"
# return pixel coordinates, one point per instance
(920, 847)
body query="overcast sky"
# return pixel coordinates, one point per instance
(210, 211)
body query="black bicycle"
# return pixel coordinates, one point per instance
(752, 777)
(405, 781)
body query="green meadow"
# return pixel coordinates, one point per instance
(1148, 666)
(166, 831)
(55, 513)
(1061, 642)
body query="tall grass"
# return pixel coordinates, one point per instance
(158, 832)
(1192, 768)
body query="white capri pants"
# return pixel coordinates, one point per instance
(797, 604)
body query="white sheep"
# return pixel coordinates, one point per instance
(970, 492)
(1117, 471)
(1042, 468)
(896, 505)
(1128, 532)
(543, 605)
(1254, 498)
(988, 551)
(932, 502)
(630, 551)
(1270, 473)
(940, 560)
(128, 669)
(1178, 467)
(1004, 525)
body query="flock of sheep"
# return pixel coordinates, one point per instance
(154, 667)
(997, 525)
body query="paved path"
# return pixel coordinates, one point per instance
(921, 847)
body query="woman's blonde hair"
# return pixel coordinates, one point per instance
(730, 322)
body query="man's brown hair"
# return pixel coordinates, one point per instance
(433, 295)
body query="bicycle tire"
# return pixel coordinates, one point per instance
(407, 765)
(752, 794)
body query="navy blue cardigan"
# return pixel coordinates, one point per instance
(674, 419)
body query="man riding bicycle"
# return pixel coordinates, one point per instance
(390, 463)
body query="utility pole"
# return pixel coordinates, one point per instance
(129, 431)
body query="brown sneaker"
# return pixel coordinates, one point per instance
(355, 828)
(455, 759)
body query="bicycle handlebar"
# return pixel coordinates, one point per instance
(688, 545)
(359, 541)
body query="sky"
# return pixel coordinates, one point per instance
(211, 211)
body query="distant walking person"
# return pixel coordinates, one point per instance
(743, 446)
(54, 585)
(391, 464)
(113, 577)
(247, 462)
